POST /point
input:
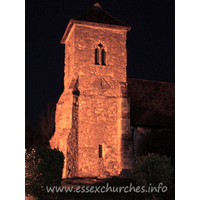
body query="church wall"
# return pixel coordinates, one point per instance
(114, 42)
(100, 100)
(98, 126)
(72, 142)
(69, 60)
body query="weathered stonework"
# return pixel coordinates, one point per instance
(93, 112)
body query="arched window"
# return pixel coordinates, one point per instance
(103, 57)
(97, 56)
(100, 55)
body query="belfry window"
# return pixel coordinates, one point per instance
(103, 57)
(100, 55)
(97, 56)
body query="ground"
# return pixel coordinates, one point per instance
(98, 183)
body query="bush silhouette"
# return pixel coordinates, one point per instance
(43, 167)
(154, 170)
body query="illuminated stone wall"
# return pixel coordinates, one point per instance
(93, 112)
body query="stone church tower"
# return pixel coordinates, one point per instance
(93, 112)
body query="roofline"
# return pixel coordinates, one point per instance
(128, 28)
(152, 126)
(164, 82)
(73, 21)
(67, 31)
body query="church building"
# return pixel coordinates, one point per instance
(92, 122)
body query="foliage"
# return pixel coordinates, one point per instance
(43, 167)
(153, 169)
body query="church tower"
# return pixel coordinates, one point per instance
(92, 122)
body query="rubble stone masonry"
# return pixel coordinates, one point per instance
(93, 113)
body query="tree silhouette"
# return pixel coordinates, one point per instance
(47, 123)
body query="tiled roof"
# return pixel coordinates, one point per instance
(152, 103)
(98, 15)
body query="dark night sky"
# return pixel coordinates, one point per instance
(150, 44)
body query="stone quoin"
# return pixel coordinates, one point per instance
(92, 121)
